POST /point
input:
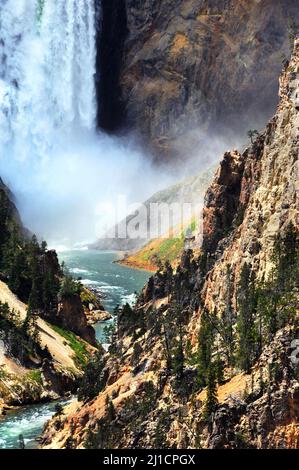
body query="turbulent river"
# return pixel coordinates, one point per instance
(118, 284)
(97, 270)
(27, 421)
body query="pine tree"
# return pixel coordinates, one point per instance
(286, 259)
(212, 398)
(219, 369)
(110, 410)
(92, 382)
(137, 351)
(246, 320)
(179, 356)
(205, 345)
(227, 321)
(277, 301)
(252, 134)
(50, 289)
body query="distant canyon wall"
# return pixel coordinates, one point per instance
(178, 71)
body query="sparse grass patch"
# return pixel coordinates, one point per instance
(35, 376)
(82, 354)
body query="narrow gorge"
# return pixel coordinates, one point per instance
(156, 387)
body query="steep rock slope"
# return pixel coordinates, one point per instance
(152, 391)
(41, 357)
(190, 68)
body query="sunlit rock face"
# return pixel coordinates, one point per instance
(252, 199)
(254, 195)
(198, 68)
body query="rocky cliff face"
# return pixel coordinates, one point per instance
(150, 395)
(7, 199)
(9, 213)
(72, 317)
(191, 68)
(255, 195)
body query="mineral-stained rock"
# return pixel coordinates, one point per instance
(191, 68)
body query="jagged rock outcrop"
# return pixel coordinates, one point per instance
(262, 416)
(142, 402)
(71, 316)
(191, 68)
(259, 189)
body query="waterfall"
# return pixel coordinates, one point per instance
(61, 169)
(47, 70)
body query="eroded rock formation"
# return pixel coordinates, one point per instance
(145, 402)
(193, 69)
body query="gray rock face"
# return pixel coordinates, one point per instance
(190, 68)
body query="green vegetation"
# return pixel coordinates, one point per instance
(34, 275)
(35, 376)
(92, 382)
(69, 287)
(170, 249)
(21, 338)
(88, 297)
(263, 307)
(162, 250)
(205, 345)
(108, 431)
(162, 428)
(252, 134)
(82, 355)
(15, 387)
(245, 324)
(30, 272)
(211, 400)
(268, 305)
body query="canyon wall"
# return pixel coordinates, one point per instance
(194, 69)
(152, 393)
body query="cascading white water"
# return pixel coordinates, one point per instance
(47, 89)
(59, 167)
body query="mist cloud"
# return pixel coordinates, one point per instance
(58, 195)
